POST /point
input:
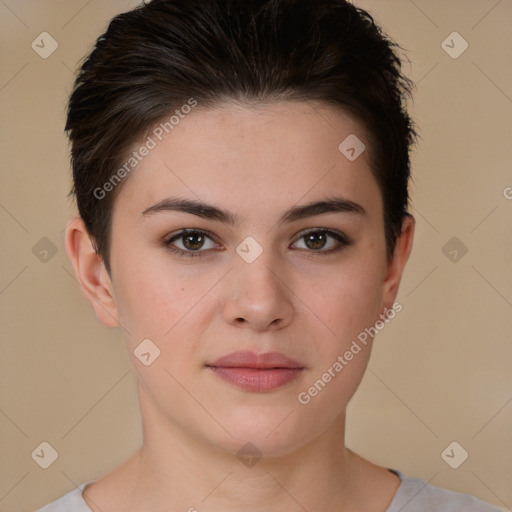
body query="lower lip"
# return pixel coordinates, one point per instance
(257, 379)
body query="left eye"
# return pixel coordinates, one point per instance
(318, 240)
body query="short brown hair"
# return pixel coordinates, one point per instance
(154, 58)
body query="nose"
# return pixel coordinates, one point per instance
(258, 296)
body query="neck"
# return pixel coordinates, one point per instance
(183, 472)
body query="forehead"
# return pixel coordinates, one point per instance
(267, 154)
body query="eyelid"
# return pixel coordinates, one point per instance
(329, 231)
(185, 231)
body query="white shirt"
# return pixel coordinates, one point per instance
(413, 495)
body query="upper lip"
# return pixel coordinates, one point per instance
(247, 359)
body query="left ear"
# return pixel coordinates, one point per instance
(396, 265)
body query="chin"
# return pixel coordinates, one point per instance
(270, 435)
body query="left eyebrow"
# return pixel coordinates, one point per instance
(208, 211)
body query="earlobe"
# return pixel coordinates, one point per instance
(90, 272)
(396, 266)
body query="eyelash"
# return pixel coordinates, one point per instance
(343, 240)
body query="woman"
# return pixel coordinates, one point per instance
(241, 173)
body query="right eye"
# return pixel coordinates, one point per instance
(191, 240)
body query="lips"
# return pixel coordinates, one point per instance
(246, 359)
(256, 372)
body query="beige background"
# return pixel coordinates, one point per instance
(440, 372)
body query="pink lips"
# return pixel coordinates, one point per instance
(256, 372)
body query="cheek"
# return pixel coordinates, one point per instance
(349, 298)
(349, 304)
(146, 301)
(158, 301)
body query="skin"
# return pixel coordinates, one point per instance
(256, 162)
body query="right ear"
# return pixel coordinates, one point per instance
(91, 272)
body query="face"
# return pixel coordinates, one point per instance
(259, 270)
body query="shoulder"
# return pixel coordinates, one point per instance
(416, 495)
(70, 502)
